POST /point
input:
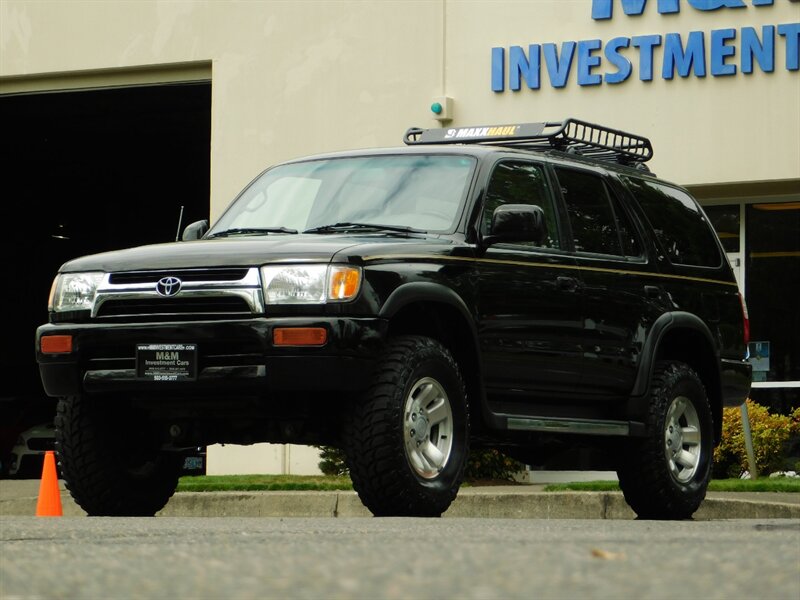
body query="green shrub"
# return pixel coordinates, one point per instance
(482, 464)
(332, 461)
(772, 435)
(491, 464)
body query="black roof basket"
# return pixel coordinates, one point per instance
(571, 136)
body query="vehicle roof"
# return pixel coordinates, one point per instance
(482, 151)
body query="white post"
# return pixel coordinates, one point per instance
(748, 441)
(286, 467)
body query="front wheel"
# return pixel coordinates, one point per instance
(407, 440)
(111, 460)
(665, 475)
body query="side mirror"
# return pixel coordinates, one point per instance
(194, 231)
(517, 223)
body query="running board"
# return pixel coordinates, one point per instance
(586, 426)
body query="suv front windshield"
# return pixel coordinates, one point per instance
(422, 192)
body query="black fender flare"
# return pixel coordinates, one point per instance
(661, 327)
(424, 291)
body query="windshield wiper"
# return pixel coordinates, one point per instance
(248, 230)
(350, 226)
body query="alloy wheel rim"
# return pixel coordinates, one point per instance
(428, 428)
(682, 440)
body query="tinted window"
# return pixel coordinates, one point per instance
(678, 222)
(515, 182)
(627, 232)
(599, 225)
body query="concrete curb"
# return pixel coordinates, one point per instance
(473, 503)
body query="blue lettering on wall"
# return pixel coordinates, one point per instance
(498, 69)
(791, 32)
(716, 4)
(646, 43)
(762, 49)
(587, 61)
(558, 68)
(687, 54)
(520, 67)
(624, 66)
(675, 57)
(603, 9)
(720, 51)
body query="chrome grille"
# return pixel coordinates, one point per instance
(185, 275)
(204, 293)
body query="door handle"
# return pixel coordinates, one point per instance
(652, 291)
(568, 284)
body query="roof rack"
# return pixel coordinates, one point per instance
(571, 136)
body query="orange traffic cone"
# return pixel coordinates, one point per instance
(49, 504)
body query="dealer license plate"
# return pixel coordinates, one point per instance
(166, 362)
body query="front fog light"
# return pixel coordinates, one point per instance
(75, 291)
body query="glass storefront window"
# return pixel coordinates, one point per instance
(771, 274)
(726, 221)
(772, 252)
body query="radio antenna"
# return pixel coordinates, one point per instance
(180, 220)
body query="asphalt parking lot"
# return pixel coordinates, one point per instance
(398, 558)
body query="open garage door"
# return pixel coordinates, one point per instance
(83, 172)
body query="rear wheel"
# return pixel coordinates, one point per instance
(665, 475)
(407, 440)
(111, 460)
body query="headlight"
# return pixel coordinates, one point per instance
(310, 284)
(74, 291)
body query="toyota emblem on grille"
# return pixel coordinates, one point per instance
(168, 286)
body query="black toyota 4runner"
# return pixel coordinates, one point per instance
(531, 288)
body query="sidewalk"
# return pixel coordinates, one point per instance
(18, 498)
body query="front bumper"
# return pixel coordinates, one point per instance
(235, 357)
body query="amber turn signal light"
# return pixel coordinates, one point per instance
(344, 282)
(299, 336)
(55, 344)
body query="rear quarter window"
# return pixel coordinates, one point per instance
(679, 223)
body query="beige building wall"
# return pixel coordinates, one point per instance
(281, 459)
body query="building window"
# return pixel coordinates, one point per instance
(726, 222)
(769, 243)
(773, 288)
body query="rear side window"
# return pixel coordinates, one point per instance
(678, 222)
(599, 225)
